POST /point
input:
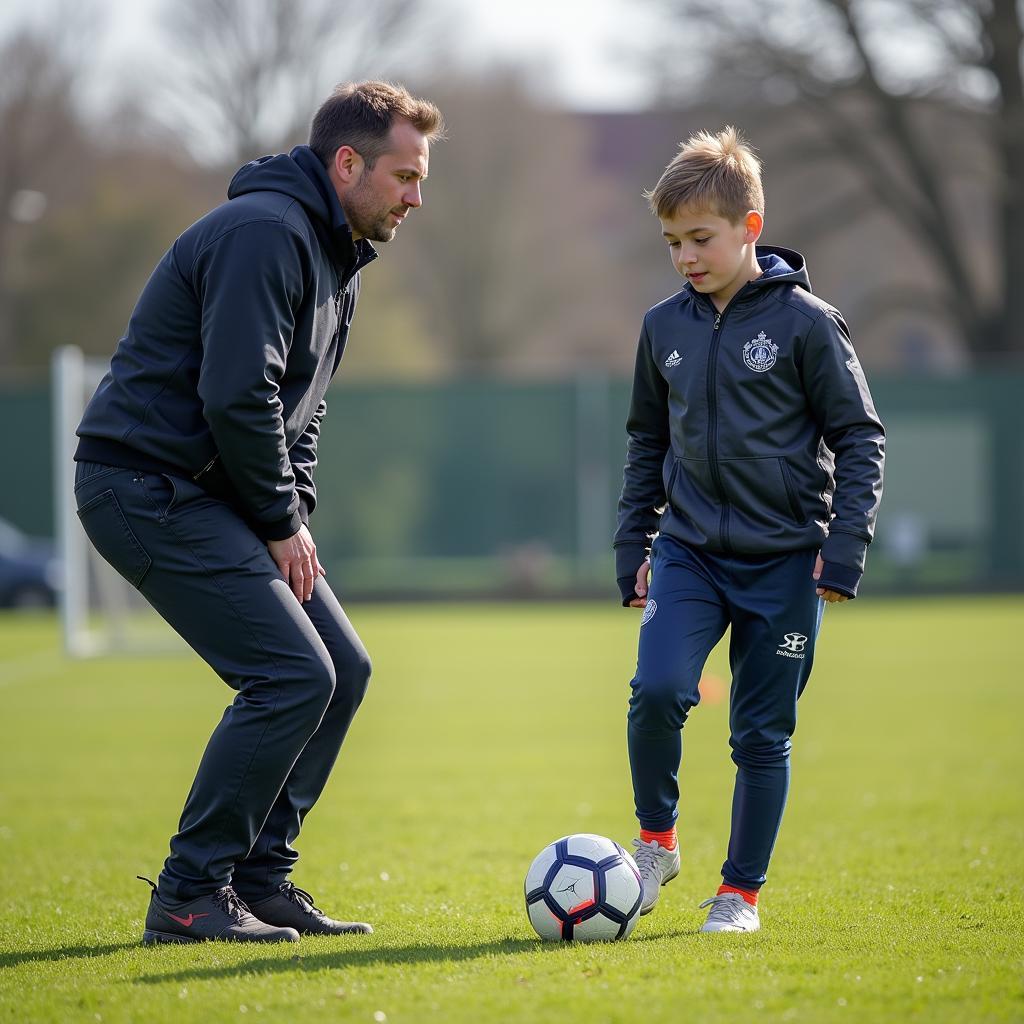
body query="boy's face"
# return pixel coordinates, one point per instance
(716, 256)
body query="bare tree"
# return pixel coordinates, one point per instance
(245, 75)
(39, 127)
(869, 71)
(511, 257)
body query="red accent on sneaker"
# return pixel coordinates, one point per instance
(749, 895)
(186, 922)
(667, 840)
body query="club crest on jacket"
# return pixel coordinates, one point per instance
(759, 353)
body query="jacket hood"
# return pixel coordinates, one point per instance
(780, 266)
(300, 175)
(281, 173)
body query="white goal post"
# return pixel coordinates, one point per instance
(100, 612)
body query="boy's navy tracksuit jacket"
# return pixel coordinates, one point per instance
(737, 425)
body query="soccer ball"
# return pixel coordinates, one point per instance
(584, 888)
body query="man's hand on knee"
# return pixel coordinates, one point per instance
(296, 558)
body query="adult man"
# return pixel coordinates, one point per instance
(195, 481)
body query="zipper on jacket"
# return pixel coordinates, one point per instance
(337, 313)
(345, 278)
(206, 468)
(348, 273)
(716, 475)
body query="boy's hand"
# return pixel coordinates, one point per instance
(831, 596)
(642, 575)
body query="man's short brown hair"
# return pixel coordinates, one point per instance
(718, 174)
(361, 114)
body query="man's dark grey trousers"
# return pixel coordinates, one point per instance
(299, 669)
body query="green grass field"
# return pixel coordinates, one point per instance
(895, 893)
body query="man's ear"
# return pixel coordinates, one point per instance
(348, 165)
(753, 225)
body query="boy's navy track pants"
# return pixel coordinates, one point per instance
(299, 669)
(771, 605)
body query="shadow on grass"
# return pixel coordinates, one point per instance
(350, 957)
(353, 957)
(28, 956)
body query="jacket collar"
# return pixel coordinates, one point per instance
(778, 266)
(349, 254)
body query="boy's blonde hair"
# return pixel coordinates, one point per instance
(718, 174)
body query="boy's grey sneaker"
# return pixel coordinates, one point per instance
(657, 867)
(220, 915)
(293, 907)
(730, 912)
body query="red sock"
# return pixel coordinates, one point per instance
(750, 895)
(667, 840)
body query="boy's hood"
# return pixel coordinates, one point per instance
(780, 266)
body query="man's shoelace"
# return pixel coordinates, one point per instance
(230, 902)
(647, 858)
(726, 908)
(292, 892)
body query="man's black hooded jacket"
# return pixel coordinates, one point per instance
(222, 372)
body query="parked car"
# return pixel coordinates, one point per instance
(29, 571)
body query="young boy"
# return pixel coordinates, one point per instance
(755, 455)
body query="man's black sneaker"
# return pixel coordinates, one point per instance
(292, 907)
(221, 915)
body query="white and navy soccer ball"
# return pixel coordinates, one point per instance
(584, 888)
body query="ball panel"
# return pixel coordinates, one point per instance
(572, 887)
(594, 848)
(596, 929)
(542, 863)
(622, 886)
(546, 925)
